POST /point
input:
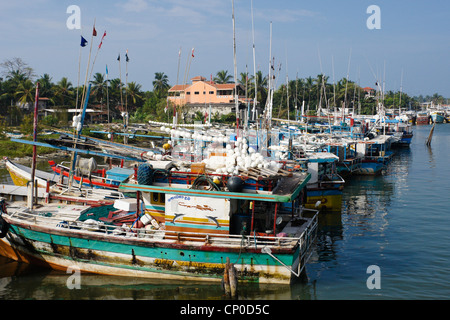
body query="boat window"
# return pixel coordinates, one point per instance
(157, 198)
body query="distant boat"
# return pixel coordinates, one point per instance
(422, 117)
(437, 116)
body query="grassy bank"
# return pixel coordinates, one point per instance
(12, 149)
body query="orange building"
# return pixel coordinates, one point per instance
(203, 94)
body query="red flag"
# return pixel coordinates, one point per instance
(101, 42)
(192, 52)
(94, 32)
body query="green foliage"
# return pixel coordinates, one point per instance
(26, 127)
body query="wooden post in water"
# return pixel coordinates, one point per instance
(430, 136)
(230, 279)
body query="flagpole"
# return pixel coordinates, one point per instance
(120, 84)
(126, 82)
(125, 137)
(107, 96)
(178, 72)
(79, 67)
(96, 54)
(87, 70)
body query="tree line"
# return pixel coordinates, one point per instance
(18, 82)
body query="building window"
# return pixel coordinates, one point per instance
(196, 92)
(188, 93)
(211, 92)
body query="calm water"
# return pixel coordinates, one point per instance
(399, 222)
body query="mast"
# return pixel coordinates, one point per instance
(254, 66)
(33, 166)
(346, 86)
(235, 71)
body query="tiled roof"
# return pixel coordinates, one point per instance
(218, 86)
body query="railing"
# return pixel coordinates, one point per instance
(61, 221)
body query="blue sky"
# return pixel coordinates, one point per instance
(309, 37)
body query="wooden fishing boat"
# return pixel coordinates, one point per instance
(437, 116)
(375, 154)
(21, 174)
(182, 225)
(325, 187)
(107, 179)
(422, 117)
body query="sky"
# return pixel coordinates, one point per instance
(410, 51)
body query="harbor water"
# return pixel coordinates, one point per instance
(390, 241)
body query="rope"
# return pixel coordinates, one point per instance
(204, 178)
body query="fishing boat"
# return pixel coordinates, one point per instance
(348, 159)
(437, 116)
(404, 133)
(422, 117)
(325, 187)
(101, 178)
(375, 154)
(193, 224)
(21, 174)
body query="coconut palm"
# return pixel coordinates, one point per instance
(63, 91)
(45, 85)
(223, 77)
(25, 92)
(98, 87)
(134, 92)
(261, 83)
(161, 83)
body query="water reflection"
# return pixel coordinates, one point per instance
(22, 281)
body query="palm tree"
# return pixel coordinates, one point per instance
(63, 91)
(223, 77)
(161, 83)
(134, 91)
(115, 87)
(99, 87)
(262, 83)
(25, 92)
(45, 85)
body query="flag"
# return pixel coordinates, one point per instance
(94, 32)
(192, 52)
(167, 106)
(101, 41)
(118, 58)
(83, 42)
(126, 56)
(106, 70)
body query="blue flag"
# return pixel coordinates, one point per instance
(83, 42)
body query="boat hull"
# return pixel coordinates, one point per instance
(330, 200)
(92, 252)
(437, 118)
(370, 168)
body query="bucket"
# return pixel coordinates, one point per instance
(145, 219)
